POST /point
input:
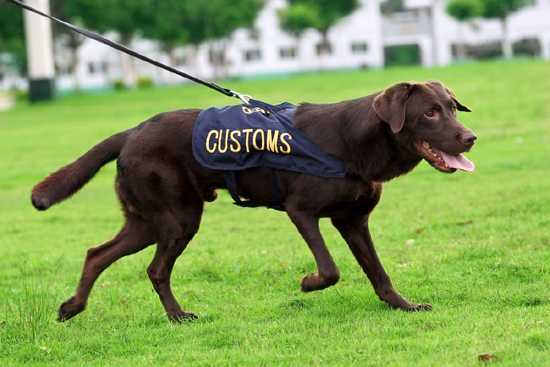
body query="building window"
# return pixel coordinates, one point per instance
(287, 52)
(319, 48)
(253, 55)
(216, 57)
(254, 34)
(91, 68)
(181, 60)
(359, 47)
(65, 70)
(405, 16)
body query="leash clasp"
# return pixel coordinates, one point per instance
(243, 97)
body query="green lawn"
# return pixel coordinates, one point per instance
(476, 246)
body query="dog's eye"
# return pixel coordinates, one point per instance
(453, 110)
(430, 113)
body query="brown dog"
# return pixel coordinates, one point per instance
(163, 188)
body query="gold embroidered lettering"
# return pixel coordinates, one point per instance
(249, 111)
(247, 132)
(238, 148)
(220, 141)
(208, 141)
(285, 143)
(272, 138)
(256, 133)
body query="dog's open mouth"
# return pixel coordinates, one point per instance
(442, 161)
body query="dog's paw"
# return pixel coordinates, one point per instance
(309, 283)
(414, 307)
(182, 317)
(398, 302)
(420, 307)
(69, 309)
(313, 282)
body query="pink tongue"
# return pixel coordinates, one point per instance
(458, 162)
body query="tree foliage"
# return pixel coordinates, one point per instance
(501, 8)
(170, 23)
(317, 14)
(299, 17)
(12, 36)
(175, 23)
(125, 17)
(217, 19)
(464, 10)
(328, 11)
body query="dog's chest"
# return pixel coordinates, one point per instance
(349, 196)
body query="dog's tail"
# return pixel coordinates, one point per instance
(65, 182)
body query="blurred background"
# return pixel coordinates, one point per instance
(218, 39)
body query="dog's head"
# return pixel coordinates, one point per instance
(423, 118)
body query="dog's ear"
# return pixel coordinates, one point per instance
(459, 105)
(391, 104)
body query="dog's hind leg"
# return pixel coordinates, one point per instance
(355, 232)
(175, 229)
(327, 272)
(136, 235)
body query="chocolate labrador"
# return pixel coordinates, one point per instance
(162, 187)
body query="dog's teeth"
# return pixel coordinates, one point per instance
(431, 151)
(426, 145)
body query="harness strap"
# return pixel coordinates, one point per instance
(231, 184)
(278, 198)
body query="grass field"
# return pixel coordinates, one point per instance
(476, 246)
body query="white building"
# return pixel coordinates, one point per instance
(365, 39)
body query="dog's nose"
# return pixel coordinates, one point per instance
(468, 139)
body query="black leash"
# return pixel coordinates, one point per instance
(228, 92)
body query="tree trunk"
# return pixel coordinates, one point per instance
(506, 44)
(75, 41)
(325, 45)
(169, 50)
(461, 46)
(224, 61)
(298, 53)
(324, 50)
(74, 69)
(191, 60)
(128, 72)
(215, 60)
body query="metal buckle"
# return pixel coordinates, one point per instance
(242, 97)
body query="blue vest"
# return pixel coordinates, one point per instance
(258, 134)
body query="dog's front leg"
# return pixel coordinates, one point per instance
(355, 232)
(327, 272)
